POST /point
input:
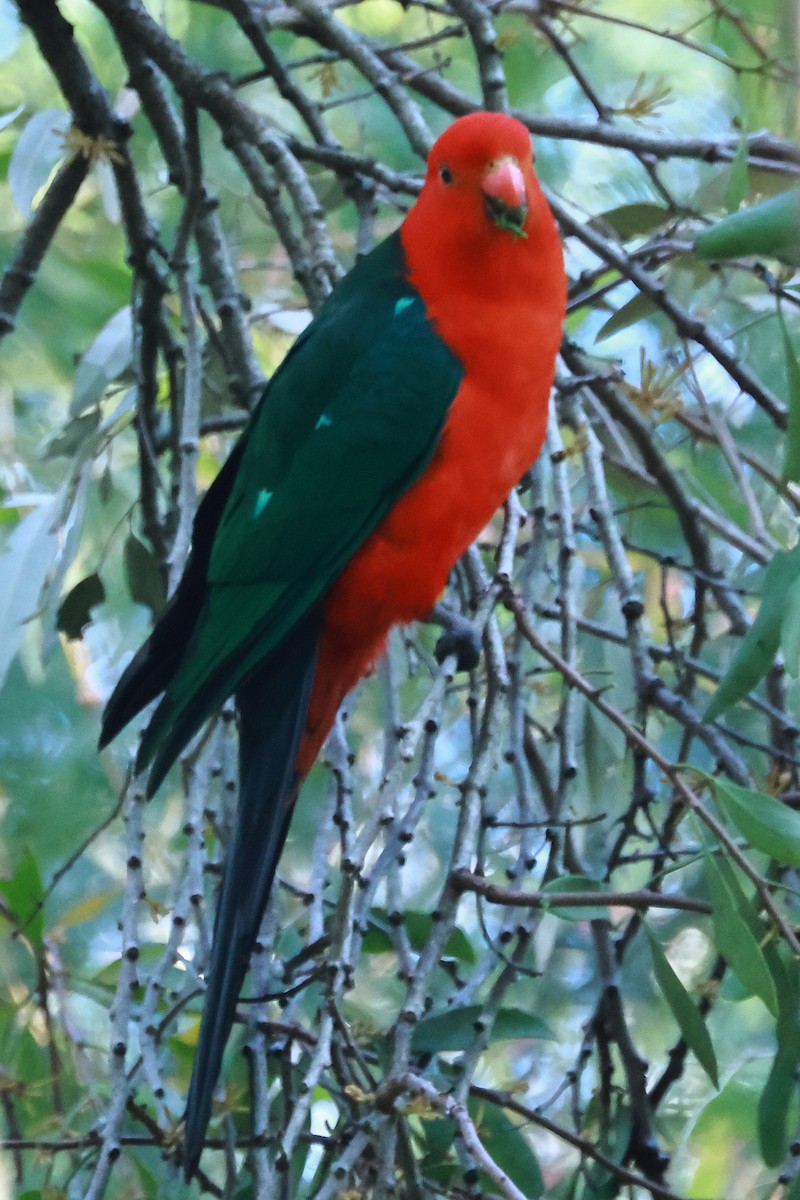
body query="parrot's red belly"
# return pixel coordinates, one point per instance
(401, 570)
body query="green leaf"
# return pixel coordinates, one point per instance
(418, 926)
(75, 610)
(149, 1182)
(770, 227)
(508, 1146)
(758, 647)
(438, 1163)
(576, 883)
(737, 184)
(634, 310)
(777, 1105)
(766, 823)
(39, 147)
(76, 435)
(8, 117)
(613, 1138)
(28, 556)
(736, 942)
(108, 356)
(23, 893)
(790, 630)
(631, 220)
(684, 1010)
(455, 1028)
(107, 977)
(376, 940)
(744, 905)
(145, 580)
(731, 1113)
(791, 456)
(774, 1132)
(90, 906)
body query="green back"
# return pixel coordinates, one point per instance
(345, 426)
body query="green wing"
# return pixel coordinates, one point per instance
(346, 425)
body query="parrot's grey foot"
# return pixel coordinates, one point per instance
(460, 637)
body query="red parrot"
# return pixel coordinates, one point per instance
(395, 427)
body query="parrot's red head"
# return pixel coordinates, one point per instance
(481, 235)
(482, 168)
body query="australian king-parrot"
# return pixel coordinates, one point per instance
(395, 427)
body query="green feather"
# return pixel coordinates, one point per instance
(345, 426)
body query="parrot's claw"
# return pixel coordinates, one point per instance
(460, 638)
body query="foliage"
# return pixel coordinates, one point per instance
(536, 929)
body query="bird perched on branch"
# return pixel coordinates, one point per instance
(398, 422)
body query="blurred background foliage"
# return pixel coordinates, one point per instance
(631, 735)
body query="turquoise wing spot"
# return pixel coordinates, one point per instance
(402, 304)
(323, 421)
(262, 500)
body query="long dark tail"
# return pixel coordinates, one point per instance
(272, 710)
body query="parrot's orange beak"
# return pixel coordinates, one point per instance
(505, 195)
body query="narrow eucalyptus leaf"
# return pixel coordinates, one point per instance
(684, 1010)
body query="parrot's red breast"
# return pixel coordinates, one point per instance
(496, 296)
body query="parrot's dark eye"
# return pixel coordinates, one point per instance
(445, 174)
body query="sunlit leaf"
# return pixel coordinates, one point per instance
(23, 894)
(684, 1010)
(733, 1110)
(108, 976)
(104, 173)
(39, 147)
(86, 909)
(28, 556)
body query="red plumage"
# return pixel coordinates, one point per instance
(497, 299)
